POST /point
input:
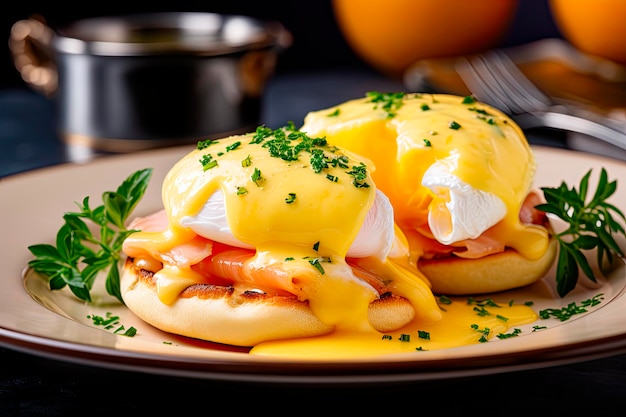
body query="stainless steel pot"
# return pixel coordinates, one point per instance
(126, 83)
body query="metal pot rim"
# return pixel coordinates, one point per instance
(192, 33)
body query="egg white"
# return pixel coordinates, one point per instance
(469, 211)
(376, 236)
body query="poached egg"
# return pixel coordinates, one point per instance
(456, 171)
(301, 205)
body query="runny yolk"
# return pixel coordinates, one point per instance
(478, 144)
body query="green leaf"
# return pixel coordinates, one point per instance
(609, 242)
(82, 253)
(115, 205)
(590, 224)
(121, 203)
(567, 271)
(64, 242)
(81, 292)
(113, 283)
(583, 263)
(56, 282)
(44, 251)
(584, 186)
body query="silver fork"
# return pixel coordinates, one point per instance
(495, 79)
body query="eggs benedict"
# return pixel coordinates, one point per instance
(459, 175)
(274, 234)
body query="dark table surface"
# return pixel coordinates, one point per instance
(32, 385)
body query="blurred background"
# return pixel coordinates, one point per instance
(339, 50)
(318, 44)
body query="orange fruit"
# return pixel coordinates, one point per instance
(393, 34)
(595, 27)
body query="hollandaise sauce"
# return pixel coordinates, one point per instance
(465, 321)
(453, 167)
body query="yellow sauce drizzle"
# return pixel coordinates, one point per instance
(461, 325)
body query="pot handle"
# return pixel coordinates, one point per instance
(30, 42)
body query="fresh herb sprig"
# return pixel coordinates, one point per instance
(80, 255)
(591, 224)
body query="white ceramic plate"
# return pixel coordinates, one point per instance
(56, 325)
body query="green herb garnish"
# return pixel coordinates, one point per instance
(208, 162)
(454, 125)
(233, 146)
(389, 102)
(289, 144)
(484, 332)
(203, 144)
(318, 160)
(468, 100)
(316, 262)
(514, 333)
(571, 309)
(359, 175)
(590, 225)
(111, 322)
(256, 177)
(291, 197)
(481, 311)
(80, 255)
(488, 302)
(444, 299)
